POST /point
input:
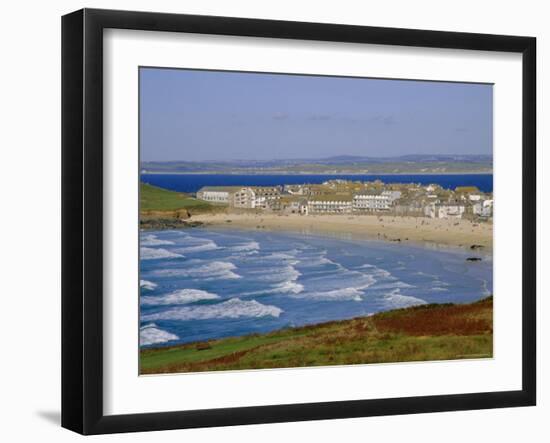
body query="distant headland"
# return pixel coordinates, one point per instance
(343, 164)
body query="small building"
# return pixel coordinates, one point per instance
(483, 208)
(295, 189)
(292, 204)
(392, 195)
(431, 188)
(437, 210)
(410, 209)
(303, 207)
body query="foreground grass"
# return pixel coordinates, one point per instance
(429, 332)
(153, 198)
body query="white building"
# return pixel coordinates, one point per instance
(483, 208)
(371, 202)
(240, 197)
(435, 210)
(295, 189)
(217, 194)
(393, 195)
(266, 196)
(333, 204)
(244, 198)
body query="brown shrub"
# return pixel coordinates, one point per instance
(472, 319)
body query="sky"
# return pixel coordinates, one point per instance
(199, 115)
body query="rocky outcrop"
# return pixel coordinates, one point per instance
(168, 223)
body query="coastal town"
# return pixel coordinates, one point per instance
(356, 197)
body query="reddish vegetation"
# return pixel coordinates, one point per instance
(205, 365)
(439, 320)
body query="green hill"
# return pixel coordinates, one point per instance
(153, 198)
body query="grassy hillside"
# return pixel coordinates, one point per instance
(429, 332)
(153, 198)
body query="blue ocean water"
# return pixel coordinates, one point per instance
(193, 182)
(198, 284)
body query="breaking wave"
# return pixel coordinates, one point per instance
(287, 255)
(282, 280)
(350, 293)
(484, 286)
(338, 295)
(152, 240)
(150, 334)
(324, 261)
(211, 271)
(207, 245)
(376, 271)
(234, 308)
(281, 274)
(249, 246)
(156, 253)
(438, 289)
(395, 299)
(179, 297)
(286, 287)
(394, 284)
(146, 284)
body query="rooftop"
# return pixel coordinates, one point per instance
(220, 188)
(331, 197)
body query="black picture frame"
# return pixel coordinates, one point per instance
(82, 218)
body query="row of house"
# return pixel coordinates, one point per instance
(316, 202)
(342, 197)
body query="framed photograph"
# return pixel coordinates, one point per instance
(268, 221)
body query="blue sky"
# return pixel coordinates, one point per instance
(215, 115)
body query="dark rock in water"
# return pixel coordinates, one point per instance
(474, 247)
(473, 259)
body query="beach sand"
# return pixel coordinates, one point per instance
(461, 233)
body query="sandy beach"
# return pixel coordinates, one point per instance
(461, 233)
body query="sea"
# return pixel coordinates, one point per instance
(198, 284)
(191, 183)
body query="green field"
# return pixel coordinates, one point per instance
(428, 332)
(153, 198)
